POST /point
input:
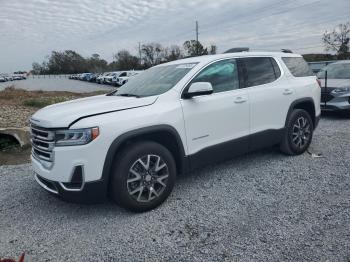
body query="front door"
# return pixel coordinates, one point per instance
(217, 125)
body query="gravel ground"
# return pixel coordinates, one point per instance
(263, 206)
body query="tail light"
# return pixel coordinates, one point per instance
(318, 82)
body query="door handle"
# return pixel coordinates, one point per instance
(240, 99)
(287, 91)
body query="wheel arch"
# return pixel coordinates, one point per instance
(308, 105)
(163, 134)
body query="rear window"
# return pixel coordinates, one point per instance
(260, 70)
(297, 66)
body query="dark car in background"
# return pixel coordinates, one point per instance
(317, 66)
(336, 89)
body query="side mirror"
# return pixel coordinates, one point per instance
(198, 89)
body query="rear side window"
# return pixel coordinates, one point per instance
(260, 70)
(297, 66)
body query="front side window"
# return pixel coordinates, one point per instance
(155, 81)
(260, 70)
(222, 75)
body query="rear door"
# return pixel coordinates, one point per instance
(270, 98)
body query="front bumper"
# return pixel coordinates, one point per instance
(335, 102)
(72, 172)
(91, 192)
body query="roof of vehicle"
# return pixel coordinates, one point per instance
(210, 58)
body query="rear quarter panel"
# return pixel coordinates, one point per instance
(307, 87)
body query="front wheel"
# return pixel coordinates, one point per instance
(298, 133)
(143, 176)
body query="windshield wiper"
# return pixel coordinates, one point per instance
(129, 95)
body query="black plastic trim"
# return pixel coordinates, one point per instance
(139, 133)
(228, 150)
(299, 101)
(93, 192)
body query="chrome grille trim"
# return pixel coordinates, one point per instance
(43, 143)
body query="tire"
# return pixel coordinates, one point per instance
(296, 140)
(137, 188)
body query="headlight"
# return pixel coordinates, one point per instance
(74, 137)
(341, 90)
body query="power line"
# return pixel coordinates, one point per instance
(196, 37)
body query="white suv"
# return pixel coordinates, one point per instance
(174, 117)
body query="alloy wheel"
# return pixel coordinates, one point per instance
(301, 132)
(147, 178)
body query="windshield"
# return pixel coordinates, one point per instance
(336, 71)
(155, 81)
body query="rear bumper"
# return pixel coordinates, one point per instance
(91, 192)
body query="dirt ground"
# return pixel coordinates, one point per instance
(17, 105)
(16, 108)
(15, 156)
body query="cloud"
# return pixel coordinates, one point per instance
(31, 29)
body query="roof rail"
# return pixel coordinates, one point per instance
(237, 50)
(246, 49)
(287, 51)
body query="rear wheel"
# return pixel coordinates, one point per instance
(298, 134)
(143, 176)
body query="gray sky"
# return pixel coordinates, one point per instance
(31, 29)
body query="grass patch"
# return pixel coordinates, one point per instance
(44, 101)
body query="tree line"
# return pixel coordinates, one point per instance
(151, 54)
(71, 62)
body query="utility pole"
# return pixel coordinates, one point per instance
(196, 37)
(140, 52)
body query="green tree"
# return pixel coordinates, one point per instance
(153, 54)
(172, 53)
(338, 39)
(125, 61)
(194, 48)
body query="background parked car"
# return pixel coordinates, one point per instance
(8, 78)
(317, 66)
(124, 77)
(2, 79)
(108, 79)
(93, 77)
(336, 92)
(100, 79)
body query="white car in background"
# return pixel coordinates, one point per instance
(124, 78)
(8, 78)
(17, 77)
(2, 79)
(110, 76)
(101, 77)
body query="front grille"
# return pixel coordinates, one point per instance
(326, 97)
(43, 143)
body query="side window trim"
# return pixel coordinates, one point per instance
(242, 74)
(274, 69)
(187, 85)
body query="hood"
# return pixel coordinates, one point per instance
(64, 114)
